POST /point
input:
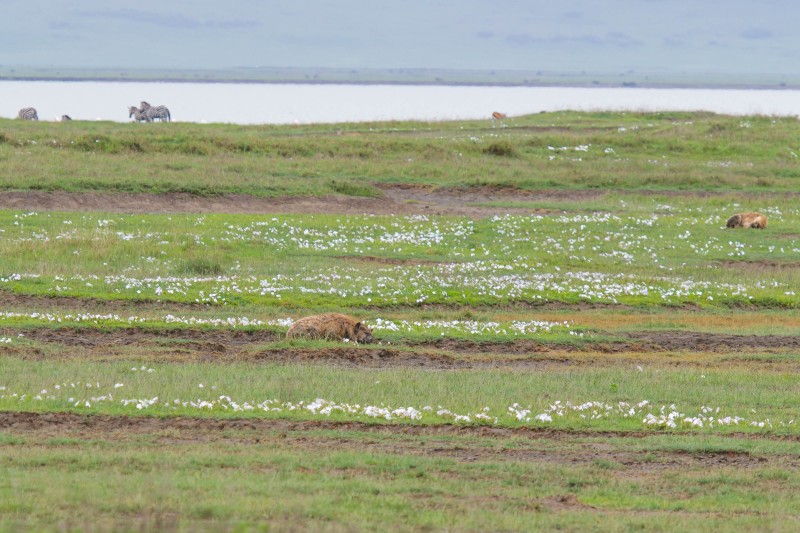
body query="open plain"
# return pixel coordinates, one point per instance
(568, 335)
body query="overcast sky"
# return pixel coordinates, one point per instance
(744, 37)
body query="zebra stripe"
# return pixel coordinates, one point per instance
(158, 112)
(28, 113)
(138, 115)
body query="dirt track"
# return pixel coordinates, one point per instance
(229, 345)
(395, 200)
(465, 443)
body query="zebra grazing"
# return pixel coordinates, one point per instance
(158, 112)
(28, 113)
(138, 115)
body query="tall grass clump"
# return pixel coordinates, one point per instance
(502, 148)
(352, 188)
(202, 266)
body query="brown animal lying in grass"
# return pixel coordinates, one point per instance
(747, 220)
(331, 326)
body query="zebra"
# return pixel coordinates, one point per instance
(158, 112)
(28, 113)
(138, 115)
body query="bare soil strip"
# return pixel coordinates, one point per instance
(395, 200)
(19, 301)
(29, 302)
(638, 342)
(761, 266)
(235, 345)
(466, 443)
(217, 341)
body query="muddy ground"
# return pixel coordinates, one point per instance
(465, 443)
(628, 457)
(393, 199)
(257, 346)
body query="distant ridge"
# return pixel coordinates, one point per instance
(408, 76)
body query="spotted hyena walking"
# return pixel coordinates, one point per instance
(747, 220)
(332, 326)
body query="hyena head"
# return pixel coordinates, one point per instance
(363, 333)
(735, 221)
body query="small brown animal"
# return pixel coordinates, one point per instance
(747, 220)
(497, 116)
(331, 326)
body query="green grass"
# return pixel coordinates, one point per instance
(664, 151)
(559, 291)
(643, 253)
(96, 387)
(293, 480)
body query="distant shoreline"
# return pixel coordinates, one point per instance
(727, 86)
(421, 77)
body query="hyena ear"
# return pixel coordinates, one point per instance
(358, 326)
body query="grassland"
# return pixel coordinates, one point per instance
(667, 151)
(570, 338)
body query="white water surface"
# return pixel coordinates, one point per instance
(253, 103)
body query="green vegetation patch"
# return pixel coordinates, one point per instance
(645, 253)
(564, 150)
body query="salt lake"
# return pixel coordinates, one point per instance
(263, 103)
